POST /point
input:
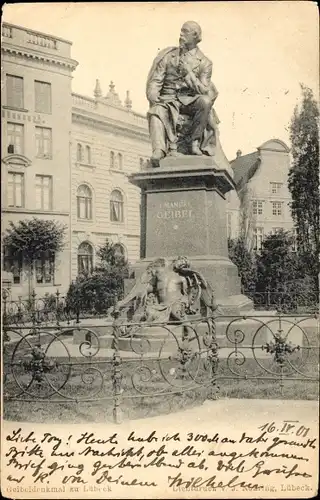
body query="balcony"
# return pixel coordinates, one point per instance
(106, 110)
(19, 36)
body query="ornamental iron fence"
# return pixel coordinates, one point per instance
(56, 308)
(115, 370)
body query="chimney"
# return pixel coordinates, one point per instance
(239, 153)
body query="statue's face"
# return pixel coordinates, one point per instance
(187, 36)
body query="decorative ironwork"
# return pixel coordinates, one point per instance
(39, 364)
(155, 367)
(280, 348)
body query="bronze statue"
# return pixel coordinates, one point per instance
(166, 293)
(181, 96)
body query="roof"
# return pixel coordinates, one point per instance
(244, 168)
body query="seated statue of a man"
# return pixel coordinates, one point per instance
(179, 83)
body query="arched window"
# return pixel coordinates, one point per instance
(116, 206)
(88, 155)
(120, 252)
(120, 163)
(111, 159)
(85, 258)
(84, 202)
(79, 152)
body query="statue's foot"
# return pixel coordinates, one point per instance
(195, 150)
(174, 152)
(157, 155)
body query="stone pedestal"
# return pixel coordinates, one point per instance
(183, 212)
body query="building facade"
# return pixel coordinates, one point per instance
(261, 203)
(109, 142)
(66, 157)
(36, 133)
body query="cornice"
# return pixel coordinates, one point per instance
(39, 56)
(110, 125)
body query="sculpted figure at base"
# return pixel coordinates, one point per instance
(179, 89)
(166, 293)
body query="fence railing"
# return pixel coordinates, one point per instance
(58, 308)
(285, 301)
(53, 308)
(123, 370)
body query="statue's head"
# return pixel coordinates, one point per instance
(181, 262)
(190, 34)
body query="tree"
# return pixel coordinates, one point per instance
(96, 292)
(245, 261)
(304, 181)
(247, 221)
(280, 275)
(33, 239)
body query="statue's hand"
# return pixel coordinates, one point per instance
(185, 67)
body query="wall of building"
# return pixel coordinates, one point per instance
(34, 56)
(272, 175)
(107, 129)
(267, 186)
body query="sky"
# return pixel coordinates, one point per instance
(261, 52)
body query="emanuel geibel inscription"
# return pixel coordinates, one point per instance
(175, 210)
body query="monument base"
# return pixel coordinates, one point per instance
(222, 275)
(183, 213)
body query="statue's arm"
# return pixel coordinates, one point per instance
(202, 84)
(155, 82)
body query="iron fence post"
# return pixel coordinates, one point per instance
(213, 356)
(116, 373)
(58, 307)
(33, 309)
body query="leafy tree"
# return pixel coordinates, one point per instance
(304, 180)
(94, 293)
(280, 276)
(245, 260)
(32, 239)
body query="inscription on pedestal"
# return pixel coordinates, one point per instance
(175, 210)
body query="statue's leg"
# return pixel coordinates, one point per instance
(158, 137)
(200, 111)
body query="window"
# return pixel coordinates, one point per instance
(43, 142)
(277, 208)
(258, 238)
(42, 97)
(111, 159)
(45, 269)
(88, 155)
(79, 153)
(12, 265)
(84, 202)
(275, 187)
(229, 224)
(85, 258)
(257, 207)
(15, 138)
(116, 206)
(15, 190)
(119, 253)
(15, 91)
(141, 163)
(44, 192)
(119, 165)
